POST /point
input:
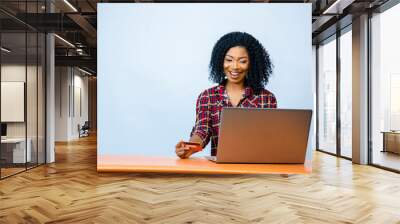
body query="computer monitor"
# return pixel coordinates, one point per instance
(3, 129)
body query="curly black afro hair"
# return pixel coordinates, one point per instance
(260, 67)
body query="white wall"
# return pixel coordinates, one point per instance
(80, 110)
(153, 63)
(69, 84)
(33, 127)
(12, 73)
(61, 103)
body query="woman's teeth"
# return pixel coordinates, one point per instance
(235, 74)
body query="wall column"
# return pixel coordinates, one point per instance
(360, 89)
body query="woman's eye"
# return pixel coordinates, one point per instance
(228, 60)
(243, 62)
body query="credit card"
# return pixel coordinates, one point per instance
(194, 146)
(191, 143)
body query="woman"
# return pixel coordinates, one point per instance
(241, 66)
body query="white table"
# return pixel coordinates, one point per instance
(18, 145)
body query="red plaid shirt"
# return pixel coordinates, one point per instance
(209, 106)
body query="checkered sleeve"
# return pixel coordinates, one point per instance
(272, 101)
(202, 125)
(268, 100)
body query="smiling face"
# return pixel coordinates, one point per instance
(236, 64)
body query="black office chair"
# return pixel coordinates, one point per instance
(84, 130)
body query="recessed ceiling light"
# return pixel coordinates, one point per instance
(70, 5)
(337, 7)
(5, 50)
(84, 71)
(65, 41)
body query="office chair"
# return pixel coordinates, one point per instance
(84, 130)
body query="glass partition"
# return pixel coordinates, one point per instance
(41, 86)
(327, 96)
(346, 94)
(32, 95)
(34, 55)
(13, 110)
(22, 77)
(385, 89)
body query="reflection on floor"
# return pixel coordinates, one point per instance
(386, 159)
(10, 169)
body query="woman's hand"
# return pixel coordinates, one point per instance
(184, 151)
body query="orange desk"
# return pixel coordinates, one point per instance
(193, 165)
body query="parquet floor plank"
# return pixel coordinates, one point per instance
(71, 191)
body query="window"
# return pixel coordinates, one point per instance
(346, 94)
(385, 89)
(327, 96)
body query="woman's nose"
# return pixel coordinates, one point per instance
(235, 64)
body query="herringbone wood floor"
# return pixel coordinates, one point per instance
(71, 191)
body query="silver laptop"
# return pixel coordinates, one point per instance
(251, 135)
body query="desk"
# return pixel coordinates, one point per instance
(17, 150)
(391, 141)
(193, 165)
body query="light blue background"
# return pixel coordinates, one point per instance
(153, 63)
